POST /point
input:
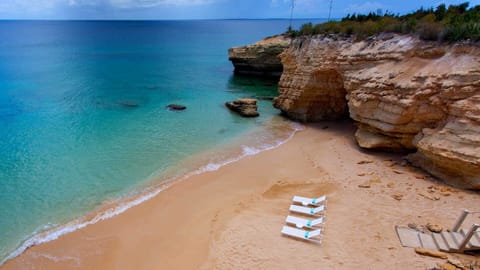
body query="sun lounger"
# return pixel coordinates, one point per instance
(302, 222)
(306, 201)
(302, 234)
(307, 210)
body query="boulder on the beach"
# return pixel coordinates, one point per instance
(246, 107)
(176, 107)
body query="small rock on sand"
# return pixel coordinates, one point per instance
(447, 266)
(397, 197)
(365, 162)
(457, 263)
(431, 253)
(365, 185)
(428, 196)
(389, 163)
(375, 180)
(413, 226)
(434, 227)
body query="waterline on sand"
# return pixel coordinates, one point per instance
(243, 148)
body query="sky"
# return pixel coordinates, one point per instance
(203, 9)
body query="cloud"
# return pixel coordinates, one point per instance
(276, 3)
(26, 6)
(303, 6)
(154, 3)
(84, 2)
(29, 5)
(364, 7)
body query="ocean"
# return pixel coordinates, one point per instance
(84, 124)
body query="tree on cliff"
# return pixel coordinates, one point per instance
(455, 23)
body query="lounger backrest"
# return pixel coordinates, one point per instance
(302, 222)
(306, 201)
(306, 210)
(300, 233)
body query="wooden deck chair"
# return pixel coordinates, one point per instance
(302, 222)
(318, 211)
(313, 236)
(310, 201)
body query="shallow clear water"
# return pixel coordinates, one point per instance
(83, 117)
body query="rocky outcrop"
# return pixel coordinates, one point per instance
(246, 107)
(261, 58)
(405, 95)
(176, 107)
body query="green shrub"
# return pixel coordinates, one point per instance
(457, 22)
(430, 31)
(463, 32)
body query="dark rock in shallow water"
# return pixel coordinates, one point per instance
(246, 107)
(246, 83)
(128, 103)
(176, 107)
(265, 97)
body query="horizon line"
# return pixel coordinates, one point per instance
(113, 19)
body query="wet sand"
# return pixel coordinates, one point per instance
(231, 218)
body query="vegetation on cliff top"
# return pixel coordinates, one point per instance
(455, 23)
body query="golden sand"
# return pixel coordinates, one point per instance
(231, 218)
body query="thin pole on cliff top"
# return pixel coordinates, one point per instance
(291, 15)
(330, 10)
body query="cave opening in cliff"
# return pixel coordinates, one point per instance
(326, 96)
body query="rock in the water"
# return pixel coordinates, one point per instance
(269, 98)
(246, 107)
(176, 107)
(128, 103)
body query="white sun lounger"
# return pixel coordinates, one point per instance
(306, 235)
(312, 201)
(302, 222)
(307, 210)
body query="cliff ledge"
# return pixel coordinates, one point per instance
(405, 95)
(261, 58)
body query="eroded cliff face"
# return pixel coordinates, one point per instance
(405, 94)
(261, 58)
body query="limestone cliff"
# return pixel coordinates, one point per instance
(404, 93)
(261, 58)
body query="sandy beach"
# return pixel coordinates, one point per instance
(231, 218)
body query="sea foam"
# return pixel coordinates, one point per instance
(50, 234)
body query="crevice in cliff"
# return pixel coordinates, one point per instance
(325, 93)
(323, 98)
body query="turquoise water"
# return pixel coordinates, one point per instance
(83, 118)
